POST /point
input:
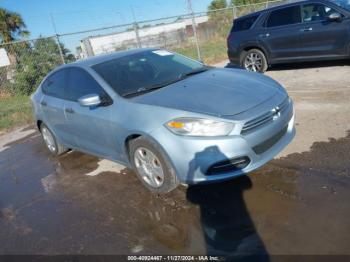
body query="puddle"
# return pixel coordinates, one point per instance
(78, 204)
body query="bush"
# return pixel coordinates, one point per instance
(32, 62)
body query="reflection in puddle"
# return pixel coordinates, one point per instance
(106, 166)
(49, 182)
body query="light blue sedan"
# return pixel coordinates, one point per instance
(170, 118)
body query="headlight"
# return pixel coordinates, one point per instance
(199, 127)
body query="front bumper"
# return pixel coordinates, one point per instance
(193, 157)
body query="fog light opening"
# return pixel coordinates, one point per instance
(230, 165)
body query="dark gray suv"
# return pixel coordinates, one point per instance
(296, 32)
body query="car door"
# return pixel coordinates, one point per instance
(52, 106)
(280, 33)
(91, 127)
(321, 37)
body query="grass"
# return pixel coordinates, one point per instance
(15, 111)
(211, 52)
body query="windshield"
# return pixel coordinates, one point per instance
(342, 3)
(145, 71)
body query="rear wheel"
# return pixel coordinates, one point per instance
(151, 166)
(52, 145)
(254, 60)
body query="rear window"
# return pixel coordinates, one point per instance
(284, 16)
(244, 24)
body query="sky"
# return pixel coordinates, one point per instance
(78, 15)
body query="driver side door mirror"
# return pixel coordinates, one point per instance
(90, 100)
(335, 17)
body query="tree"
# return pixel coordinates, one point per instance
(217, 4)
(220, 20)
(12, 26)
(35, 61)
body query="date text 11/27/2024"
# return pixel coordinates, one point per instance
(175, 258)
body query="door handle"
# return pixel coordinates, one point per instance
(264, 35)
(43, 103)
(308, 29)
(69, 110)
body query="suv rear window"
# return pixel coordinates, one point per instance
(284, 16)
(244, 24)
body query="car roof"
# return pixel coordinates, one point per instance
(281, 5)
(88, 62)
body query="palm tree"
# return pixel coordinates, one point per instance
(12, 26)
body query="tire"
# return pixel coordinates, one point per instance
(256, 58)
(53, 146)
(140, 148)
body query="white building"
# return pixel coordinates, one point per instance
(161, 35)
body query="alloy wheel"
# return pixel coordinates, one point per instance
(253, 62)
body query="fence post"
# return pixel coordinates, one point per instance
(136, 29)
(60, 48)
(194, 29)
(267, 4)
(234, 11)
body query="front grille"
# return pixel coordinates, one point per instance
(267, 144)
(229, 165)
(266, 117)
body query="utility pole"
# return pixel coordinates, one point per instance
(57, 38)
(136, 28)
(190, 10)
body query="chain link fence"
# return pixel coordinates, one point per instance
(23, 64)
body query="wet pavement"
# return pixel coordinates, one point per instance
(298, 204)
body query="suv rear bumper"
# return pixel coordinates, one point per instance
(233, 56)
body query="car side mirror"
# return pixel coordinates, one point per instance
(335, 17)
(90, 100)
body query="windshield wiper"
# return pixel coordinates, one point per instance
(194, 72)
(144, 90)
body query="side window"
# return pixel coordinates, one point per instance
(244, 24)
(81, 83)
(284, 16)
(54, 85)
(316, 12)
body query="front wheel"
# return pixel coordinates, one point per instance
(151, 166)
(254, 60)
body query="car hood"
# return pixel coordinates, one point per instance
(219, 92)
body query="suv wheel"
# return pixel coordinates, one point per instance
(151, 166)
(254, 60)
(52, 145)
